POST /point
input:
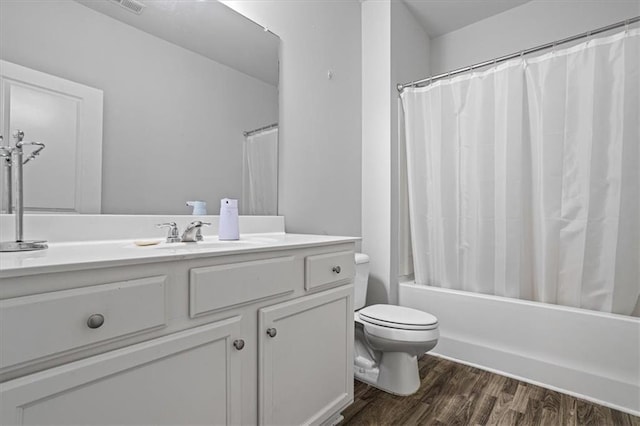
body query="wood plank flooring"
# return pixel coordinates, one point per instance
(456, 394)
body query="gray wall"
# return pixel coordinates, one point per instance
(410, 60)
(529, 25)
(173, 120)
(376, 146)
(320, 133)
(395, 49)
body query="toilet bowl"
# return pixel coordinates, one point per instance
(389, 339)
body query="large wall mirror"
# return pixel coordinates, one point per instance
(143, 105)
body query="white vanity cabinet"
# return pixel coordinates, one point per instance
(264, 337)
(189, 377)
(306, 359)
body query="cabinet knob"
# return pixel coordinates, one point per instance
(95, 321)
(238, 344)
(336, 269)
(271, 332)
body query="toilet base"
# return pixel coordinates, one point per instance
(397, 374)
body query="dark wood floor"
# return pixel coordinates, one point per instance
(456, 394)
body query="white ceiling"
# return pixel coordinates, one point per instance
(439, 17)
(207, 27)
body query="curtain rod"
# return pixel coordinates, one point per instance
(429, 80)
(260, 129)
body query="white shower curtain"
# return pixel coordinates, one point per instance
(523, 179)
(260, 181)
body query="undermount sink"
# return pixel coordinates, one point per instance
(261, 240)
(208, 244)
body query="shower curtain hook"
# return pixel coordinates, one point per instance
(626, 27)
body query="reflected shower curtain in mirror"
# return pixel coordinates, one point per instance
(523, 179)
(260, 177)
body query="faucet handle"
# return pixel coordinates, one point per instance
(174, 235)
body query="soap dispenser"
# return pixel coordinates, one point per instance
(229, 229)
(199, 207)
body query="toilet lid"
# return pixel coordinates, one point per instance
(398, 317)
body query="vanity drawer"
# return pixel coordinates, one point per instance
(213, 288)
(46, 324)
(328, 270)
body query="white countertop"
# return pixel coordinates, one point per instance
(70, 256)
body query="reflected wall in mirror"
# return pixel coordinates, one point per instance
(182, 82)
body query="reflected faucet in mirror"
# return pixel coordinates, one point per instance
(13, 190)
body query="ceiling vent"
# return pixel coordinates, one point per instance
(131, 5)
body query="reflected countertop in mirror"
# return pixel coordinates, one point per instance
(182, 82)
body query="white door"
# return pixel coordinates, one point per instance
(191, 377)
(67, 118)
(306, 358)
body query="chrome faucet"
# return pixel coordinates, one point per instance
(193, 232)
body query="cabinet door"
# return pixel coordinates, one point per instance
(190, 377)
(306, 358)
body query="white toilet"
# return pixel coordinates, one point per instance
(389, 339)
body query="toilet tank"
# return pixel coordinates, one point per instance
(361, 280)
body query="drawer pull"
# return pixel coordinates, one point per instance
(238, 344)
(336, 269)
(95, 321)
(271, 332)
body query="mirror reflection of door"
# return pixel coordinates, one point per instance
(182, 81)
(260, 172)
(67, 118)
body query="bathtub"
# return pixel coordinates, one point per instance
(587, 354)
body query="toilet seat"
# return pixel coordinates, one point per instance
(398, 317)
(398, 323)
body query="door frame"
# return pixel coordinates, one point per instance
(88, 174)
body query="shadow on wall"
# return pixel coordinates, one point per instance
(376, 292)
